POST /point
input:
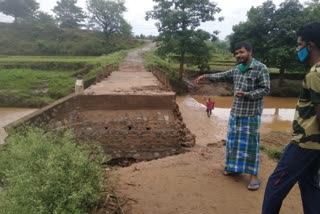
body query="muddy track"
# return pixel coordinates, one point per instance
(192, 183)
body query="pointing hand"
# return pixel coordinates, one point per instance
(198, 79)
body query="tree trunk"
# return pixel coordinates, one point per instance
(181, 70)
(281, 77)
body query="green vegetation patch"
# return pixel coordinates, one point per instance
(48, 40)
(272, 153)
(48, 172)
(152, 59)
(36, 87)
(28, 87)
(99, 63)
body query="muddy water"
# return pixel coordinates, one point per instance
(277, 114)
(8, 115)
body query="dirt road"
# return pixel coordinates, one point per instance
(193, 183)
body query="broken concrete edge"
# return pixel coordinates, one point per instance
(38, 112)
(61, 109)
(162, 77)
(103, 73)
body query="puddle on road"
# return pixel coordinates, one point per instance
(277, 114)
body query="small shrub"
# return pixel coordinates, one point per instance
(46, 172)
(272, 153)
(290, 88)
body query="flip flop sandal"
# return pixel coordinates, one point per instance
(253, 186)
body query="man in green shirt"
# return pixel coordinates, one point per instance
(251, 83)
(300, 161)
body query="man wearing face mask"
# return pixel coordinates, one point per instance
(251, 83)
(300, 161)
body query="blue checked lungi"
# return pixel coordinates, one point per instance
(243, 144)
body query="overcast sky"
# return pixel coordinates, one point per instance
(233, 12)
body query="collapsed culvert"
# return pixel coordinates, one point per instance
(130, 136)
(128, 128)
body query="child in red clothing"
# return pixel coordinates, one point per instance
(210, 106)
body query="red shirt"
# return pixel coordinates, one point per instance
(209, 104)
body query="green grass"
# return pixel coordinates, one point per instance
(151, 58)
(99, 62)
(46, 59)
(86, 59)
(26, 87)
(272, 153)
(49, 172)
(46, 86)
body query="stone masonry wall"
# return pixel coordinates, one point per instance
(141, 127)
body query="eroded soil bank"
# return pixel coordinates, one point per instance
(193, 182)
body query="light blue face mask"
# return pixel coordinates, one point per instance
(303, 54)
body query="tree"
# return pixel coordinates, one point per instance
(107, 15)
(287, 19)
(312, 11)
(19, 8)
(68, 14)
(272, 33)
(45, 18)
(177, 24)
(257, 29)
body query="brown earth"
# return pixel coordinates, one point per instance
(193, 182)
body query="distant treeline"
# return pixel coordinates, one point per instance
(32, 39)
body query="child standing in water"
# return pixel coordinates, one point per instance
(210, 106)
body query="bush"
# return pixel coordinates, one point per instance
(46, 172)
(290, 88)
(272, 153)
(34, 39)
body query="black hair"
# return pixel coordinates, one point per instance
(243, 44)
(310, 33)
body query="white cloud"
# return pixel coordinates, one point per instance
(233, 12)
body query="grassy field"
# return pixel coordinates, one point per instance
(37, 81)
(43, 86)
(86, 59)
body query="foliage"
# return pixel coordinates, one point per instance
(43, 86)
(68, 14)
(19, 8)
(272, 31)
(272, 153)
(107, 15)
(47, 172)
(25, 87)
(152, 59)
(177, 24)
(43, 20)
(257, 29)
(111, 59)
(289, 88)
(312, 11)
(221, 49)
(47, 39)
